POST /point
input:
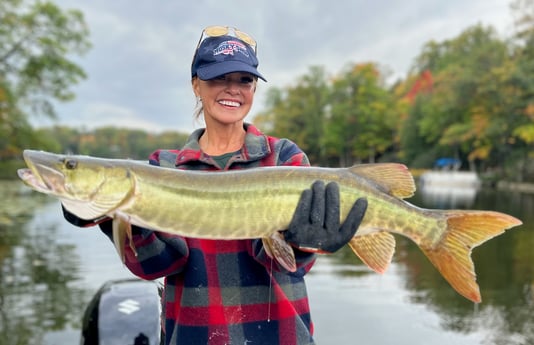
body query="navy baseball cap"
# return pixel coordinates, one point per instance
(220, 55)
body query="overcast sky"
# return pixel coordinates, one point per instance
(139, 66)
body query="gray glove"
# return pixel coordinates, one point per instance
(316, 226)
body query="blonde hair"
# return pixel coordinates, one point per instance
(199, 109)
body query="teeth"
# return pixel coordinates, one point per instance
(229, 103)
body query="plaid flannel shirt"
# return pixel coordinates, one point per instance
(225, 291)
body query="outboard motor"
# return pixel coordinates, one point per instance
(124, 312)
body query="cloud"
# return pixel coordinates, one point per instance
(104, 114)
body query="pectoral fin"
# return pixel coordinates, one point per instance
(277, 248)
(122, 230)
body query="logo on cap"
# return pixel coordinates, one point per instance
(230, 48)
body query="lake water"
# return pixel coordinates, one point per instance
(50, 270)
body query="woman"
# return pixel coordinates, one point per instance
(230, 291)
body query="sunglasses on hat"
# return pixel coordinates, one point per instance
(217, 30)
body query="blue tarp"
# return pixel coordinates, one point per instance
(447, 162)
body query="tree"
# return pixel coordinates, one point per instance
(37, 40)
(362, 123)
(337, 122)
(468, 111)
(521, 86)
(298, 112)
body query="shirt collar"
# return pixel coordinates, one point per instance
(255, 148)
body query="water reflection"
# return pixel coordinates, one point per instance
(36, 272)
(448, 197)
(448, 189)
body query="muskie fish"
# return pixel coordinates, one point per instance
(257, 203)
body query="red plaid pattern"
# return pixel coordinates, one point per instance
(225, 292)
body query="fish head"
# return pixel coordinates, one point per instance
(88, 187)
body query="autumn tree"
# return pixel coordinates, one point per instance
(298, 112)
(466, 114)
(362, 121)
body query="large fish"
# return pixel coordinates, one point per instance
(257, 203)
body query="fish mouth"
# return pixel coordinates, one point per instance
(30, 179)
(40, 174)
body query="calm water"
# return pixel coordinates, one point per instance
(50, 270)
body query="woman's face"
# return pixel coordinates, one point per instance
(226, 99)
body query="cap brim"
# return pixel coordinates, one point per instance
(224, 67)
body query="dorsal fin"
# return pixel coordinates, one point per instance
(392, 178)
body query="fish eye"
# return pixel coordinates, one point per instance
(71, 164)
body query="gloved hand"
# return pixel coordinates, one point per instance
(316, 225)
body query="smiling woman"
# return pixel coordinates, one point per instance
(222, 291)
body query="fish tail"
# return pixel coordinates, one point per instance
(452, 254)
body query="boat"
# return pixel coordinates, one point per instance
(124, 312)
(448, 187)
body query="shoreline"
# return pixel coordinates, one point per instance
(515, 186)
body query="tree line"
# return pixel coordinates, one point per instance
(470, 97)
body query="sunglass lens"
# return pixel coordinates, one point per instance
(214, 31)
(246, 38)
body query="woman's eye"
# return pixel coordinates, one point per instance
(246, 80)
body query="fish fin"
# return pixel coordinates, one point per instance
(119, 236)
(122, 230)
(465, 231)
(130, 239)
(375, 249)
(277, 248)
(392, 178)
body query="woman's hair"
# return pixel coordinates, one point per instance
(199, 109)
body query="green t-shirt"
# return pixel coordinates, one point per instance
(222, 160)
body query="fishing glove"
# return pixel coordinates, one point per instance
(316, 226)
(82, 223)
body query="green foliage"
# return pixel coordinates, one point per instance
(36, 42)
(299, 112)
(36, 39)
(459, 107)
(339, 121)
(481, 93)
(362, 122)
(110, 142)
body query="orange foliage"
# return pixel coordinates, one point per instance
(422, 84)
